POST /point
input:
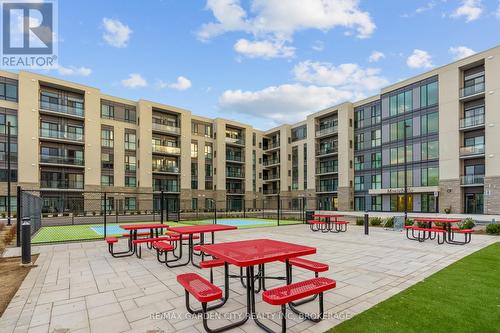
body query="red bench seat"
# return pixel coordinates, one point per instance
(199, 287)
(465, 231)
(212, 263)
(295, 291)
(111, 240)
(163, 246)
(308, 264)
(429, 229)
(138, 234)
(316, 222)
(340, 222)
(150, 240)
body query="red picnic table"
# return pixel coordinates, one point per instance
(192, 230)
(330, 223)
(133, 229)
(447, 226)
(250, 253)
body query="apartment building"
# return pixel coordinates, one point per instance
(438, 128)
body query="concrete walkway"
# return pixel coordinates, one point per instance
(79, 287)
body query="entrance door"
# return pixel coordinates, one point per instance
(401, 203)
(474, 203)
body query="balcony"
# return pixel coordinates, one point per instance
(327, 131)
(166, 168)
(62, 184)
(60, 108)
(235, 141)
(472, 122)
(326, 170)
(271, 191)
(234, 158)
(235, 191)
(235, 174)
(61, 160)
(172, 188)
(270, 162)
(166, 129)
(476, 89)
(275, 176)
(326, 188)
(327, 151)
(472, 180)
(272, 145)
(166, 150)
(471, 151)
(61, 135)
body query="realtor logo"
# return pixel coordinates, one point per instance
(28, 34)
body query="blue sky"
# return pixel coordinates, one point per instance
(264, 62)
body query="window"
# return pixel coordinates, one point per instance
(376, 182)
(393, 105)
(359, 118)
(107, 161)
(475, 141)
(208, 130)
(194, 203)
(376, 160)
(13, 152)
(130, 204)
(107, 180)
(359, 203)
(194, 149)
(130, 115)
(359, 140)
(376, 138)
(130, 163)
(401, 103)
(130, 141)
(398, 154)
(377, 203)
(429, 123)
(107, 138)
(299, 133)
(8, 89)
(429, 94)
(376, 114)
(397, 129)
(209, 203)
(430, 150)
(430, 176)
(398, 178)
(130, 181)
(208, 151)
(3, 204)
(4, 175)
(107, 111)
(359, 163)
(208, 170)
(359, 183)
(4, 121)
(428, 203)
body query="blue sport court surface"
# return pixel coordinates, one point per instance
(113, 230)
(241, 222)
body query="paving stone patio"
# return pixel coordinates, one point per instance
(79, 287)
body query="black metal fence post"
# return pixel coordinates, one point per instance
(366, 223)
(19, 212)
(279, 207)
(215, 211)
(244, 209)
(26, 241)
(8, 174)
(162, 217)
(105, 212)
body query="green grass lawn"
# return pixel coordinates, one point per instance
(85, 232)
(463, 297)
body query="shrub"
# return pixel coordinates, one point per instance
(375, 221)
(409, 222)
(447, 210)
(493, 229)
(4, 215)
(468, 223)
(389, 222)
(360, 221)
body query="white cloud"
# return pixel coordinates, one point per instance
(134, 81)
(74, 71)
(286, 103)
(376, 56)
(347, 76)
(460, 52)
(419, 59)
(264, 49)
(318, 46)
(116, 33)
(497, 14)
(277, 20)
(182, 83)
(470, 9)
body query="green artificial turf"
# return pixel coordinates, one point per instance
(84, 232)
(463, 297)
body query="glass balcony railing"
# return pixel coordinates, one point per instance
(166, 150)
(60, 108)
(272, 145)
(472, 150)
(53, 159)
(473, 121)
(236, 141)
(472, 90)
(327, 130)
(166, 128)
(271, 191)
(271, 161)
(326, 169)
(61, 135)
(472, 180)
(62, 184)
(235, 190)
(166, 168)
(235, 174)
(166, 188)
(326, 151)
(234, 158)
(326, 188)
(272, 176)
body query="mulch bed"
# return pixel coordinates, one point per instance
(11, 277)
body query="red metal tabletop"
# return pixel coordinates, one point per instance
(255, 252)
(143, 226)
(327, 215)
(436, 220)
(197, 229)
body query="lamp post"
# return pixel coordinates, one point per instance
(8, 174)
(405, 172)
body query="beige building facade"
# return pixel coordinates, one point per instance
(69, 140)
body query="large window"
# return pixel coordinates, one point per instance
(428, 203)
(359, 118)
(429, 123)
(359, 203)
(107, 180)
(8, 89)
(377, 202)
(359, 163)
(194, 149)
(376, 182)
(130, 163)
(107, 111)
(107, 161)
(376, 160)
(397, 129)
(376, 138)
(130, 181)
(107, 138)
(398, 178)
(4, 121)
(430, 150)
(359, 183)
(376, 114)
(130, 139)
(401, 103)
(430, 176)
(429, 94)
(130, 204)
(208, 151)
(398, 154)
(359, 141)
